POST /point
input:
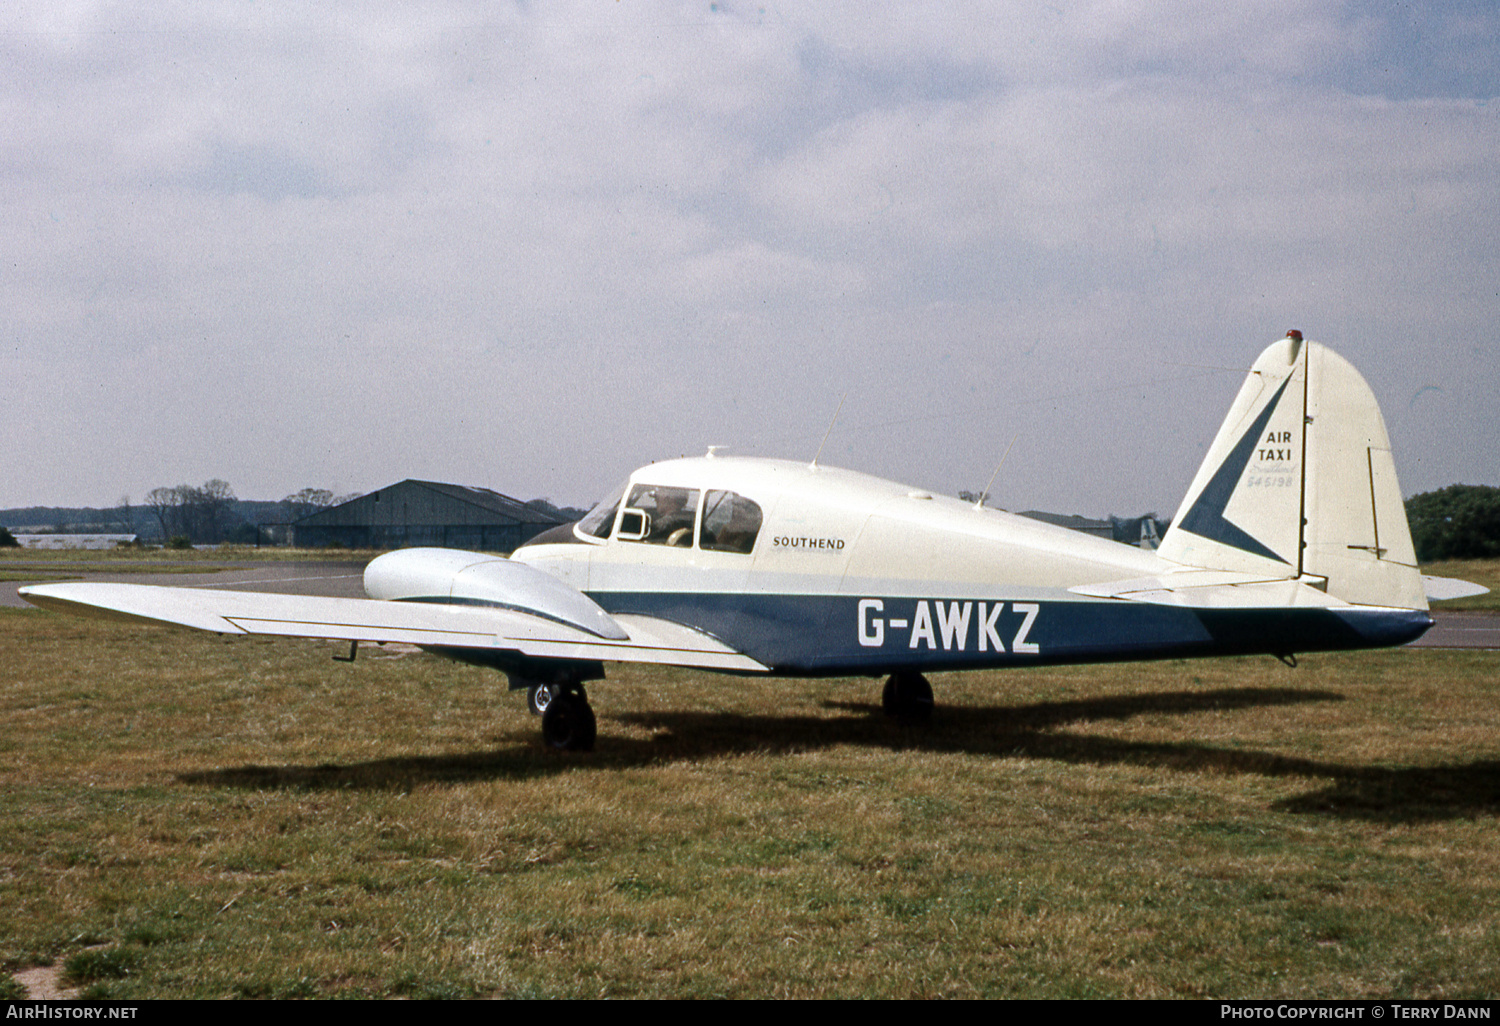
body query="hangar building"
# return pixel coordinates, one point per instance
(1074, 522)
(425, 513)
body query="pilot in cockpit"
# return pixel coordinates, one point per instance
(672, 524)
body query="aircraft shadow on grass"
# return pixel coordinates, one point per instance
(1047, 730)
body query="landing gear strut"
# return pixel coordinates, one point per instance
(907, 696)
(567, 718)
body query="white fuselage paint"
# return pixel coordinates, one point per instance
(836, 532)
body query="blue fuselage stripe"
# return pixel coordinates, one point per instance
(829, 635)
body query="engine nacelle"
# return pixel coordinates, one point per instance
(469, 578)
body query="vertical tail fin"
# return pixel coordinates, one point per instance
(1300, 483)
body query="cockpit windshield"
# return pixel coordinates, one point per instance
(601, 519)
(668, 515)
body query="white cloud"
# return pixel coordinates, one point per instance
(347, 242)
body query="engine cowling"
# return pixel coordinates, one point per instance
(469, 578)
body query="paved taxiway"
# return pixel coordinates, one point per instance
(342, 579)
(1461, 630)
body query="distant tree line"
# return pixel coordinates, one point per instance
(1457, 522)
(209, 514)
(309, 500)
(199, 515)
(568, 513)
(205, 514)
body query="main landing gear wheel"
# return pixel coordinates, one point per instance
(539, 696)
(568, 722)
(907, 696)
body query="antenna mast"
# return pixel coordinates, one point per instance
(814, 464)
(986, 492)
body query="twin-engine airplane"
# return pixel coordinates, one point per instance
(1292, 538)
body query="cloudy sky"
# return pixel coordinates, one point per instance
(532, 245)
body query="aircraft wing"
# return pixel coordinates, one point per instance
(430, 624)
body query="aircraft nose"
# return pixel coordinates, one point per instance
(559, 535)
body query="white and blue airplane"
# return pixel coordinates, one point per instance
(1291, 539)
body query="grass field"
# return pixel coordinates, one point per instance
(183, 815)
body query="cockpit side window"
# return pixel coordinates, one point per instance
(730, 523)
(601, 519)
(660, 515)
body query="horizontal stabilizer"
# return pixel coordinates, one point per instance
(1214, 589)
(1170, 582)
(1440, 588)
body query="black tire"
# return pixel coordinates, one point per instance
(907, 696)
(538, 697)
(568, 724)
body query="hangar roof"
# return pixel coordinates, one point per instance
(430, 502)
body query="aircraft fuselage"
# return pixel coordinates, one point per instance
(850, 574)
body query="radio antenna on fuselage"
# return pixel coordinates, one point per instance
(814, 464)
(985, 494)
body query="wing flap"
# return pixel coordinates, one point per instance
(429, 624)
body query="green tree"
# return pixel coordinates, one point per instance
(198, 514)
(307, 502)
(1457, 522)
(8, 540)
